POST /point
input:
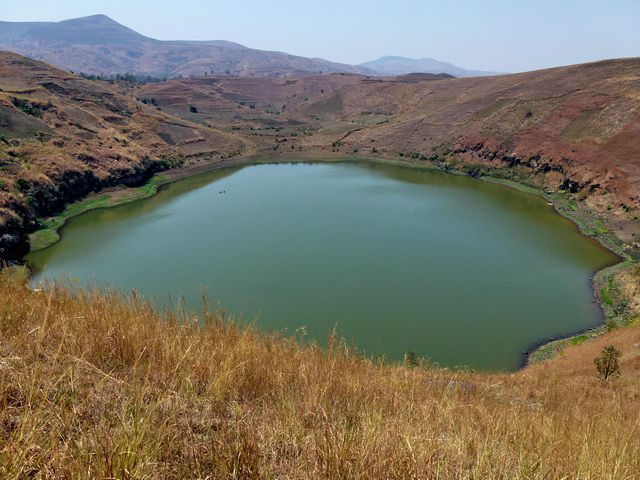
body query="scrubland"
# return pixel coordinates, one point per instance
(100, 385)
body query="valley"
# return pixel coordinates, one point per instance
(182, 398)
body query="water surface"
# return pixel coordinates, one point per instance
(461, 271)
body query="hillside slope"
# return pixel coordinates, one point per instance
(573, 129)
(96, 387)
(62, 137)
(100, 46)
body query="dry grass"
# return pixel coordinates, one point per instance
(97, 386)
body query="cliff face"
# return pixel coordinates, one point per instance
(62, 137)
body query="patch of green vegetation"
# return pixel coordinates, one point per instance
(580, 339)
(493, 108)
(512, 184)
(43, 238)
(27, 108)
(199, 121)
(581, 125)
(48, 235)
(150, 188)
(572, 206)
(307, 130)
(604, 294)
(548, 351)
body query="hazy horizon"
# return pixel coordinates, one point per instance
(499, 35)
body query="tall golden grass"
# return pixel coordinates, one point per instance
(97, 385)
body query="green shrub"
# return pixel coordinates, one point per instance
(26, 107)
(580, 339)
(411, 359)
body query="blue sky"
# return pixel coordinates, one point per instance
(494, 35)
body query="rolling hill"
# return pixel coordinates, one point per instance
(98, 45)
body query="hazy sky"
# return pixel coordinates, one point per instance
(495, 35)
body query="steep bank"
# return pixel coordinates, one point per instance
(63, 137)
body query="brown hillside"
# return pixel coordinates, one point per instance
(573, 128)
(62, 137)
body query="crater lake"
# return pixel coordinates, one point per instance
(461, 271)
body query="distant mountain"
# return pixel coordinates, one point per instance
(93, 30)
(400, 65)
(98, 45)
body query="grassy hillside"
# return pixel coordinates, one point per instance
(63, 137)
(96, 386)
(572, 130)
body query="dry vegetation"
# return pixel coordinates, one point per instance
(94, 385)
(63, 137)
(97, 386)
(573, 130)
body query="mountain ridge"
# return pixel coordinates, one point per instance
(99, 45)
(395, 65)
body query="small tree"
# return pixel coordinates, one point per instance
(607, 362)
(193, 109)
(411, 359)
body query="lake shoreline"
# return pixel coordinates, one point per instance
(550, 347)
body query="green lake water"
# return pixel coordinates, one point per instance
(461, 271)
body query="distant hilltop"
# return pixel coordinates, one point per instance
(391, 65)
(98, 45)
